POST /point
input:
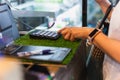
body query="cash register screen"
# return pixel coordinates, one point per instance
(6, 35)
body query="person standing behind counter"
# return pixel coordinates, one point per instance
(108, 44)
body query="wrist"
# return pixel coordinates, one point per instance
(87, 31)
(92, 35)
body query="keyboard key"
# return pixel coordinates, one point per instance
(44, 34)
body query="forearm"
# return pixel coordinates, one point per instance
(109, 46)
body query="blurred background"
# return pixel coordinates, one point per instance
(33, 13)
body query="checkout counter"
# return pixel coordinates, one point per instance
(72, 66)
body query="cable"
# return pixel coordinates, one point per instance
(21, 21)
(9, 4)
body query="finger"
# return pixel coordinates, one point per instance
(67, 36)
(71, 35)
(72, 38)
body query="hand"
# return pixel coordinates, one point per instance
(72, 33)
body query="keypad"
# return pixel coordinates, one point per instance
(44, 34)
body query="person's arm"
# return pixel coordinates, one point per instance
(72, 33)
(104, 4)
(108, 45)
